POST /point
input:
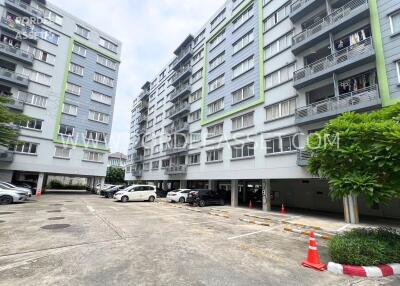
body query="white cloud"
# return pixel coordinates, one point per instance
(150, 31)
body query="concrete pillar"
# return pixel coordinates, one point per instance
(350, 205)
(40, 184)
(93, 187)
(212, 185)
(234, 193)
(165, 185)
(183, 184)
(266, 185)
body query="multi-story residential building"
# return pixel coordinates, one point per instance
(117, 160)
(242, 95)
(61, 72)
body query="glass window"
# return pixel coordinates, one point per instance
(83, 32)
(395, 23)
(61, 152)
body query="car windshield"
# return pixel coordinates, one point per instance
(9, 185)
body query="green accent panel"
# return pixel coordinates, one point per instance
(90, 46)
(261, 99)
(380, 56)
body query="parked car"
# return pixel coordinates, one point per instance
(102, 192)
(8, 186)
(27, 185)
(137, 193)
(161, 193)
(8, 196)
(179, 195)
(202, 198)
(110, 192)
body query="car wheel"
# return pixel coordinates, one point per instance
(6, 200)
(152, 199)
(202, 203)
(222, 202)
(124, 199)
(182, 200)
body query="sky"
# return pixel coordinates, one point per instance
(150, 30)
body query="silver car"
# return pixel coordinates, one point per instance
(8, 186)
(8, 196)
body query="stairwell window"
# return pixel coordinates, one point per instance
(216, 106)
(217, 83)
(243, 67)
(395, 23)
(281, 109)
(243, 93)
(243, 121)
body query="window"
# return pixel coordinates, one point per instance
(108, 45)
(217, 83)
(243, 121)
(398, 70)
(70, 109)
(76, 69)
(217, 40)
(281, 109)
(79, 50)
(147, 152)
(214, 156)
(61, 152)
(215, 130)
(246, 15)
(106, 62)
(159, 118)
(278, 46)
(236, 3)
(194, 159)
(395, 23)
(155, 165)
(150, 123)
(197, 75)
(46, 35)
(243, 42)
(102, 98)
(195, 96)
(37, 76)
(73, 88)
(95, 136)
(66, 130)
(92, 156)
(195, 115)
(280, 76)
(199, 38)
(243, 93)
(25, 147)
(217, 20)
(35, 124)
(156, 149)
(103, 79)
(81, 31)
(41, 55)
(164, 163)
(146, 166)
(53, 17)
(277, 17)
(32, 99)
(99, 116)
(160, 103)
(198, 56)
(282, 144)
(196, 136)
(157, 133)
(243, 151)
(216, 106)
(217, 61)
(243, 67)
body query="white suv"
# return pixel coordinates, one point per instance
(138, 193)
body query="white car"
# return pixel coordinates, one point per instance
(138, 193)
(8, 196)
(11, 187)
(179, 195)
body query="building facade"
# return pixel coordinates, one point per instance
(117, 160)
(62, 73)
(234, 107)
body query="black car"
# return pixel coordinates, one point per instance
(161, 193)
(202, 198)
(110, 192)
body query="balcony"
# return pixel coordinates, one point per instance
(24, 8)
(141, 130)
(142, 118)
(16, 104)
(301, 8)
(137, 173)
(343, 17)
(179, 128)
(138, 158)
(16, 53)
(361, 100)
(143, 105)
(343, 60)
(176, 170)
(13, 27)
(178, 110)
(6, 156)
(181, 91)
(177, 149)
(302, 158)
(182, 58)
(139, 145)
(144, 94)
(181, 74)
(12, 77)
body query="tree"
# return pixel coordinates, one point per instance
(115, 176)
(8, 132)
(364, 158)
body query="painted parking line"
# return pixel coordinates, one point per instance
(253, 233)
(90, 208)
(343, 228)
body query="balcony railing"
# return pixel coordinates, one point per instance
(176, 170)
(138, 158)
(177, 128)
(183, 55)
(183, 89)
(298, 5)
(15, 26)
(143, 94)
(143, 105)
(350, 8)
(178, 109)
(177, 149)
(16, 104)
(6, 156)
(180, 73)
(302, 158)
(16, 53)
(21, 5)
(142, 117)
(363, 98)
(348, 54)
(137, 173)
(13, 77)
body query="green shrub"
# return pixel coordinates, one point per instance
(366, 247)
(60, 186)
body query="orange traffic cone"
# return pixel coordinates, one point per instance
(250, 205)
(313, 256)
(283, 210)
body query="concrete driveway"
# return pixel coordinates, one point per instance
(77, 239)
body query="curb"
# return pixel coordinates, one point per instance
(365, 271)
(217, 214)
(254, 222)
(307, 232)
(259, 217)
(301, 225)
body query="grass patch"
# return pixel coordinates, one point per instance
(366, 247)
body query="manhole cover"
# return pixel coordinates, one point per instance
(55, 211)
(6, 213)
(56, 218)
(55, 226)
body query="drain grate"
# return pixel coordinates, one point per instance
(6, 213)
(55, 211)
(55, 226)
(56, 218)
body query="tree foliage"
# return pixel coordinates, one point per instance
(115, 176)
(365, 158)
(8, 132)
